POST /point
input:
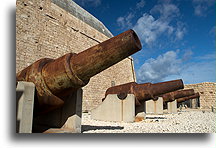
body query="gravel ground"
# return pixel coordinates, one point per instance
(188, 121)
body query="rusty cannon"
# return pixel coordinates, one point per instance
(127, 102)
(56, 78)
(169, 97)
(183, 99)
(146, 91)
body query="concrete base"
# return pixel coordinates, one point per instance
(172, 107)
(140, 112)
(24, 106)
(194, 103)
(154, 107)
(66, 119)
(114, 109)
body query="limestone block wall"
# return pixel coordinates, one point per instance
(207, 93)
(52, 28)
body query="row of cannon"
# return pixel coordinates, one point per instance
(169, 91)
(55, 79)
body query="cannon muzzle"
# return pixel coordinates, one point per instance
(55, 78)
(177, 94)
(196, 95)
(146, 91)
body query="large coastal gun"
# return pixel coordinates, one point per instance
(126, 102)
(170, 99)
(183, 99)
(56, 78)
(146, 91)
(172, 96)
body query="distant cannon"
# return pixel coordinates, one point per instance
(180, 100)
(126, 102)
(169, 97)
(56, 78)
(146, 91)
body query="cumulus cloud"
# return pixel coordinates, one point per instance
(150, 28)
(169, 66)
(162, 21)
(210, 56)
(126, 21)
(201, 6)
(180, 31)
(93, 3)
(187, 55)
(196, 73)
(165, 10)
(155, 70)
(140, 4)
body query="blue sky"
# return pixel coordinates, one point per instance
(178, 36)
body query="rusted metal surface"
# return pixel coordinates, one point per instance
(56, 78)
(122, 96)
(146, 91)
(196, 95)
(168, 97)
(98, 58)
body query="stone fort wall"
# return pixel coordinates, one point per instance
(52, 28)
(207, 93)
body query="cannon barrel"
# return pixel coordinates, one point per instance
(55, 78)
(196, 95)
(168, 97)
(145, 91)
(165, 87)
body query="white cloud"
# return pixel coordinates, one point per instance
(210, 56)
(166, 10)
(140, 4)
(170, 67)
(180, 31)
(201, 6)
(162, 21)
(126, 21)
(187, 55)
(149, 28)
(198, 10)
(155, 70)
(196, 73)
(93, 3)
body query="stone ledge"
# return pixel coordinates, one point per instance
(77, 11)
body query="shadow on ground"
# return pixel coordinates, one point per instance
(156, 118)
(90, 127)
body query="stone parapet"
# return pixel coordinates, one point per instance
(207, 93)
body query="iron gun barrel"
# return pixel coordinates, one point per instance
(168, 97)
(146, 91)
(55, 77)
(196, 95)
